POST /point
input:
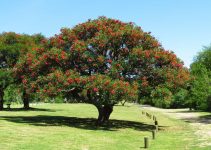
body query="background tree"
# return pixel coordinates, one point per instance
(204, 57)
(5, 80)
(13, 46)
(200, 85)
(102, 62)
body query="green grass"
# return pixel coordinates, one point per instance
(71, 126)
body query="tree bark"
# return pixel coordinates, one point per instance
(104, 111)
(123, 103)
(25, 100)
(1, 99)
(104, 114)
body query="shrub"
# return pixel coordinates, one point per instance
(162, 97)
(209, 103)
(179, 99)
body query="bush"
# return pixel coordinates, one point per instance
(200, 87)
(209, 103)
(199, 94)
(12, 95)
(161, 103)
(179, 99)
(162, 97)
(59, 99)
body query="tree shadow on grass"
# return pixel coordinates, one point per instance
(187, 111)
(201, 119)
(30, 109)
(194, 118)
(82, 123)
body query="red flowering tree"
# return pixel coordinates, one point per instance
(102, 62)
(13, 46)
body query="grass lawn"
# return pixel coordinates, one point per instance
(71, 126)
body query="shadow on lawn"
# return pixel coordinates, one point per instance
(187, 111)
(83, 123)
(201, 119)
(206, 119)
(30, 109)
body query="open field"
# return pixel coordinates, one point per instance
(71, 126)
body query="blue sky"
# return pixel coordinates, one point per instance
(183, 26)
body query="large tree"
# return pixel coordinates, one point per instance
(102, 62)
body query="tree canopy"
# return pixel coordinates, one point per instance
(204, 57)
(200, 90)
(13, 46)
(102, 62)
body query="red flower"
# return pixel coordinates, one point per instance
(95, 89)
(89, 60)
(24, 81)
(157, 57)
(63, 55)
(45, 56)
(147, 54)
(77, 80)
(126, 84)
(57, 60)
(114, 85)
(118, 65)
(107, 82)
(112, 92)
(84, 81)
(70, 81)
(109, 61)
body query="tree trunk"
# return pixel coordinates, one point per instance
(104, 114)
(123, 103)
(1, 99)
(25, 100)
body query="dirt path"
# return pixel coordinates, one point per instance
(201, 123)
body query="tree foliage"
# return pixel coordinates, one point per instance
(200, 85)
(204, 57)
(13, 46)
(102, 62)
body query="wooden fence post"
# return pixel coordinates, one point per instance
(150, 116)
(146, 142)
(156, 128)
(156, 122)
(153, 134)
(154, 118)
